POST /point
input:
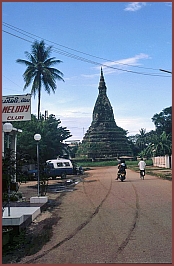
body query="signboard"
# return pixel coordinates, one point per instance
(16, 108)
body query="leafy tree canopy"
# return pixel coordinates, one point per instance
(156, 142)
(163, 121)
(52, 136)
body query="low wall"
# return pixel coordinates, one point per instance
(162, 161)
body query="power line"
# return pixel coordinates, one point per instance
(11, 81)
(21, 31)
(87, 60)
(165, 71)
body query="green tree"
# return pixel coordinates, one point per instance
(132, 142)
(40, 71)
(156, 142)
(159, 145)
(163, 121)
(141, 139)
(52, 136)
(11, 167)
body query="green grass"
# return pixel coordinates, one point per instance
(110, 163)
(98, 164)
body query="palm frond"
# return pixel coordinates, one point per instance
(49, 82)
(52, 61)
(25, 62)
(39, 71)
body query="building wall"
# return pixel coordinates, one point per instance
(162, 161)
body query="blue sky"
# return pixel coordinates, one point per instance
(130, 40)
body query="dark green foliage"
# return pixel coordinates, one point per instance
(8, 169)
(163, 121)
(11, 167)
(159, 145)
(52, 135)
(156, 142)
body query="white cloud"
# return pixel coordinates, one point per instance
(169, 4)
(133, 60)
(79, 112)
(134, 6)
(68, 113)
(76, 125)
(123, 63)
(90, 76)
(71, 78)
(134, 124)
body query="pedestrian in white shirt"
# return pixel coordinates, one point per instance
(142, 166)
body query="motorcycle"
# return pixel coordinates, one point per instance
(121, 176)
(121, 171)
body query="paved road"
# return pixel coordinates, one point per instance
(109, 221)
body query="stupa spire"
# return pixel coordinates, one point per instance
(102, 86)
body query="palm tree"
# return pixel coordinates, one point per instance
(39, 70)
(141, 139)
(159, 145)
(164, 145)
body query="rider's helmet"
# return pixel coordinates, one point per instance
(123, 163)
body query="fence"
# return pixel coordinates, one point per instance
(162, 161)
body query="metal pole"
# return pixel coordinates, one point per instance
(8, 142)
(38, 168)
(3, 144)
(13, 148)
(8, 145)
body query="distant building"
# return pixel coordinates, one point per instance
(72, 143)
(104, 138)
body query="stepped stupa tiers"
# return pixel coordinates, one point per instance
(104, 138)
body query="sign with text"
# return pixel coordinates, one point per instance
(16, 108)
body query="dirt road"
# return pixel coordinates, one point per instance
(109, 221)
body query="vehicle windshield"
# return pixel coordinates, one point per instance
(50, 165)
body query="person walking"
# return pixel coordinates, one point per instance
(142, 166)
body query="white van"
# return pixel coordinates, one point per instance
(59, 167)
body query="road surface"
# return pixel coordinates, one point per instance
(109, 221)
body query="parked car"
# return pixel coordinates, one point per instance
(59, 167)
(32, 174)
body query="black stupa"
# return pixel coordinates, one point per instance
(104, 138)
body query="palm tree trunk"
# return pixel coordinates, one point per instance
(39, 95)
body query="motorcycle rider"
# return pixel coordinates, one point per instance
(121, 168)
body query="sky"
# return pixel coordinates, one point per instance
(131, 41)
